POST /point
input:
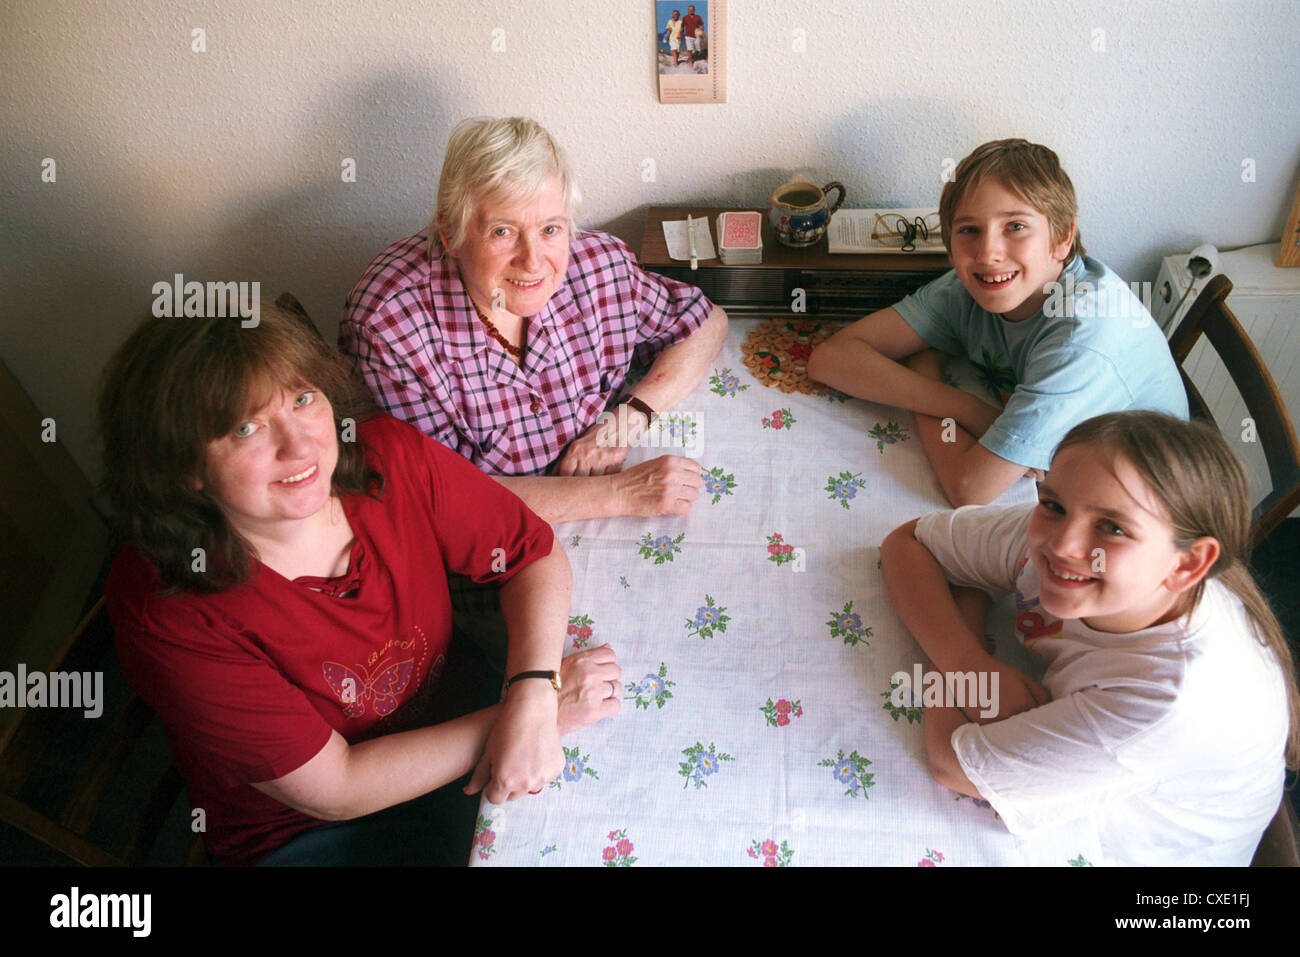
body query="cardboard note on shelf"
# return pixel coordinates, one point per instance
(678, 238)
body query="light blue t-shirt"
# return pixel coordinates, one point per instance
(1092, 348)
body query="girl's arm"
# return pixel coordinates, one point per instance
(924, 601)
(947, 632)
(940, 723)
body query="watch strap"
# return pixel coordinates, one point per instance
(643, 408)
(552, 676)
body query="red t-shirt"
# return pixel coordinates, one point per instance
(691, 23)
(250, 681)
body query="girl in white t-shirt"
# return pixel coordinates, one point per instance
(1168, 709)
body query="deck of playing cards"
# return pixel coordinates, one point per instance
(740, 238)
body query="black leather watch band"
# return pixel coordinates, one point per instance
(552, 676)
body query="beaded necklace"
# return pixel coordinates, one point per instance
(495, 333)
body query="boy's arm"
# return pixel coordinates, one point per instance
(969, 473)
(864, 360)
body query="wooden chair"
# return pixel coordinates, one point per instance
(39, 737)
(1277, 848)
(1210, 315)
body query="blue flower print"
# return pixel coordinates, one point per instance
(844, 487)
(849, 622)
(705, 615)
(844, 772)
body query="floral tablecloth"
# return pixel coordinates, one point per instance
(757, 644)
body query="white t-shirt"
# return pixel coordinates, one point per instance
(1171, 739)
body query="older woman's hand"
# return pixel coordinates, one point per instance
(602, 449)
(589, 688)
(591, 454)
(668, 485)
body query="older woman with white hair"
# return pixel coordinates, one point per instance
(505, 332)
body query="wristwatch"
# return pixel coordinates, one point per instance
(635, 403)
(552, 676)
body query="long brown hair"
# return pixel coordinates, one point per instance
(176, 384)
(1202, 487)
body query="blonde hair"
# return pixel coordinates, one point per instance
(507, 159)
(1202, 488)
(1031, 172)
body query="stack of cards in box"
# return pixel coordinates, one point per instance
(740, 238)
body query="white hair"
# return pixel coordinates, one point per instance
(494, 160)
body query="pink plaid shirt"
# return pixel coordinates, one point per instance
(408, 327)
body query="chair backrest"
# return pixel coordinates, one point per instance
(42, 749)
(1210, 315)
(1277, 846)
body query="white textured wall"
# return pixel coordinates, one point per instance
(225, 164)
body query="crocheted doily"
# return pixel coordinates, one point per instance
(776, 353)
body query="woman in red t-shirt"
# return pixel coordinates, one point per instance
(280, 597)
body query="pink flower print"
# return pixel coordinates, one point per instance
(487, 837)
(787, 549)
(752, 853)
(769, 862)
(769, 848)
(624, 847)
(782, 720)
(573, 629)
(608, 854)
(611, 835)
(584, 632)
(774, 549)
(798, 712)
(925, 863)
(938, 856)
(783, 706)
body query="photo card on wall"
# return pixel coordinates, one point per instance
(690, 50)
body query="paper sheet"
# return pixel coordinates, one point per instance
(677, 236)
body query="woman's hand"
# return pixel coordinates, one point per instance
(602, 449)
(589, 688)
(523, 752)
(668, 485)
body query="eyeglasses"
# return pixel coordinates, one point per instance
(892, 229)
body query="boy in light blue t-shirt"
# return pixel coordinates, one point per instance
(1056, 337)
